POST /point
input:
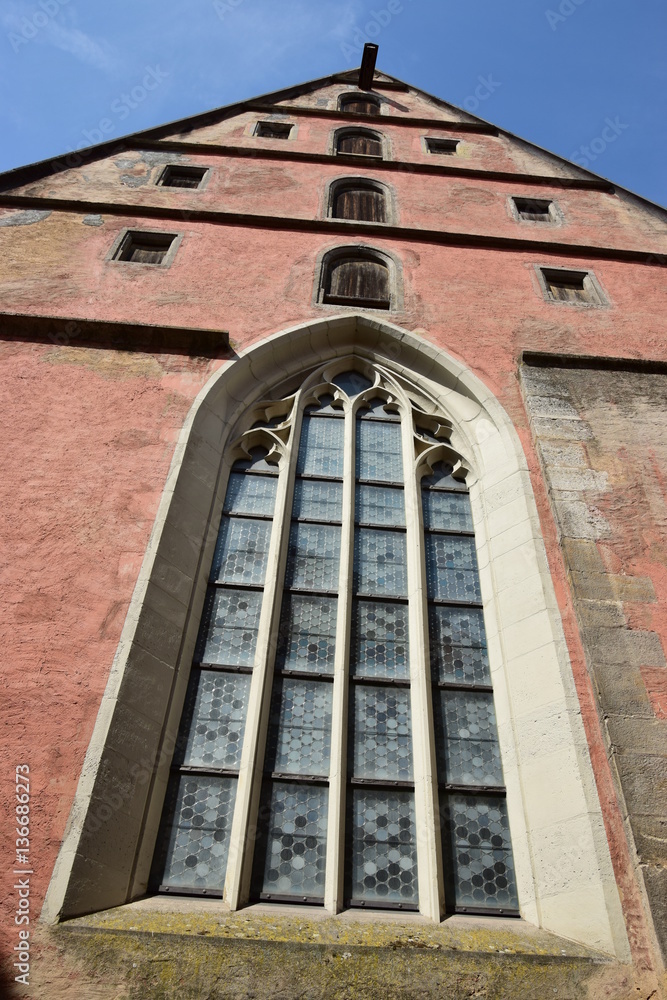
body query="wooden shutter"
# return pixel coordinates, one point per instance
(362, 203)
(358, 280)
(360, 145)
(536, 211)
(568, 292)
(360, 106)
(146, 254)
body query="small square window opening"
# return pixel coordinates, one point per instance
(442, 147)
(273, 130)
(535, 210)
(571, 286)
(179, 176)
(144, 248)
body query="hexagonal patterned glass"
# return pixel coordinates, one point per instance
(451, 568)
(299, 739)
(379, 640)
(447, 510)
(380, 505)
(458, 645)
(466, 738)
(241, 551)
(477, 854)
(196, 838)
(321, 501)
(382, 846)
(379, 562)
(213, 719)
(250, 494)
(228, 631)
(307, 637)
(313, 557)
(290, 855)
(379, 453)
(380, 733)
(321, 447)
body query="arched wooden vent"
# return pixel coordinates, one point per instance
(360, 202)
(361, 143)
(362, 280)
(359, 105)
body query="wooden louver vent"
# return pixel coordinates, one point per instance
(181, 176)
(570, 286)
(358, 281)
(145, 248)
(359, 106)
(533, 210)
(360, 144)
(363, 204)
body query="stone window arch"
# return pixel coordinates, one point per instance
(358, 276)
(359, 142)
(359, 199)
(359, 104)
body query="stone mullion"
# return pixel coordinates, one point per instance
(429, 848)
(244, 825)
(335, 866)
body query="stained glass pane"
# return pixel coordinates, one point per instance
(451, 568)
(250, 494)
(380, 733)
(307, 639)
(379, 562)
(196, 838)
(228, 632)
(321, 446)
(380, 505)
(379, 640)
(458, 645)
(383, 862)
(313, 558)
(290, 855)
(299, 740)
(352, 383)
(447, 510)
(241, 551)
(214, 719)
(477, 854)
(318, 500)
(379, 454)
(466, 738)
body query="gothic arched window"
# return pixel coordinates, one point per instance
(358, 142)
(340, 697)
(359, 104)
(359, 200)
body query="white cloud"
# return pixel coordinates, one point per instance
(81, 46)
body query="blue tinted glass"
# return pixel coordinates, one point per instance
(214, 719)
(477, 854)
(313, 557)
(447, 510)
(290, 856)
(380, 732)
(321, 447)
(379, 562)
(379, 640)
(307, 639)
(382, 846)
(380, 505)
(241, 551)
(451, 568)
(228, 631)
(379, 453)
(352, 383)
(466, 738)
(299, 740)
(458, 645)
(250, 494)
(442, 478)
(320, 501)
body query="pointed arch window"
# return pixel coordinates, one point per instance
(359, 200)
(358, 142)
(318, 695)
(359, 104)
(356, 277)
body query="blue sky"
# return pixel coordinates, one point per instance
(584, 78)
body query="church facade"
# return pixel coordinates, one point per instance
(334, 576)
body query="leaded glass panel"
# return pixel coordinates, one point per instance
(228, 631)
(307, 637)
(299, 740)
(380, 733)
(196, 834)
(379, 640)
(382, 846)
(250, 494)
(450, 511)
(451, 568)
(319, 501)
(380, 562)
(442, 478)
(458, 645)
(379, 454)
(291, 848)
(242, 550)
(352, 383)
(380, 505)
(321, 447)
(313, 557)
(214, 719)
(466, 738)
(477, 854)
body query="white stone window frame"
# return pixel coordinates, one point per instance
(563, 865)
(556, 216)
(364, 250)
